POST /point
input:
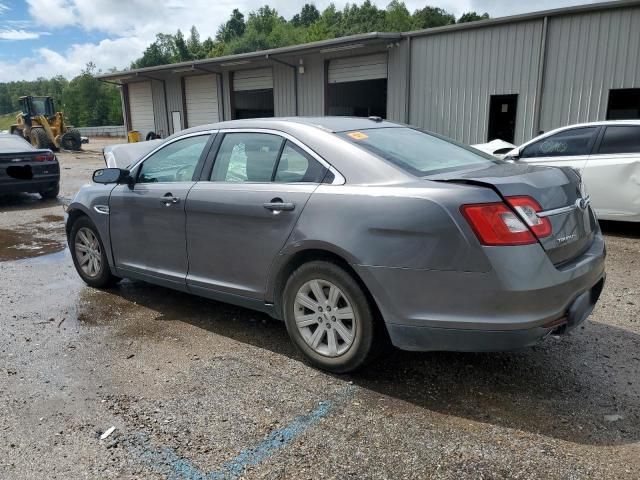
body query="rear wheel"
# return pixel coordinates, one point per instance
(88, 254)
(71, 140)
(328, 317)
(39, 138)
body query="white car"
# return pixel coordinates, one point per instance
(607, 155)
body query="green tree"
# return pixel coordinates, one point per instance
(160, 52)
(88, 102)
(195, 47)
(327, 25)
(181, 51)
(233, 28)
(360, 19)
(307, 16)
(472, 17)
(429, 17)
(397, 17)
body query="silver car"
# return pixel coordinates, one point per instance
(353, 231)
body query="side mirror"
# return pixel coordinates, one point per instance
(110, 175)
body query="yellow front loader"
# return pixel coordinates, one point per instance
(39, 123)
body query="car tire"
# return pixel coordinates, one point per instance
(51, 193)
(88, 254)
(310, 322)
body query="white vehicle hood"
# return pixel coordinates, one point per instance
(495, 146)
(125, 154)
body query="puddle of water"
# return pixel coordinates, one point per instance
(20, 244)
(52, 218)
(47, 258)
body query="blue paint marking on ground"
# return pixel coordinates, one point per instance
(165, 461)
(274, 441)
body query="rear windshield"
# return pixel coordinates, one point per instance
(418, 152)
(13, 143)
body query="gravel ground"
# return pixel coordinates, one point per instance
(197, 389)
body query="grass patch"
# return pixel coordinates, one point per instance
(7, 120)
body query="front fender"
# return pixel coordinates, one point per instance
(85, 202)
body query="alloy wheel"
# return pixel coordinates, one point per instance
(88, 252)
(325, 318)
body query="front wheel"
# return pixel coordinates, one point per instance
(88, 254)
(329, 317)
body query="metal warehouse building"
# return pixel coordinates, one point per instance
(505, 78)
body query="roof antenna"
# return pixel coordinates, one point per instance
(375, 119)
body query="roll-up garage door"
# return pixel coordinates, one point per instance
(141, 108)
(355, 69)
(257, 79)
(201, 95)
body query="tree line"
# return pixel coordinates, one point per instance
(265, 28)
(85, 101)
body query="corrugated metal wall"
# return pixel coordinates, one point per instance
(311, 86)
(454, 73)
(284, 103)
(587, 55)
(174, 100)
(397, 83)
(159, 108)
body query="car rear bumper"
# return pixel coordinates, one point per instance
(34, 185)
(469, 340)
(520, 301)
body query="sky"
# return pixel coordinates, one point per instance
(43, 38)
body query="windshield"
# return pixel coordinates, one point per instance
(417, 152)
(39, 105)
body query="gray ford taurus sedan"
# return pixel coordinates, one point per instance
(353, 231)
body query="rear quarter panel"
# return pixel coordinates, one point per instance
(416, 226)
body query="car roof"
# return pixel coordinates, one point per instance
(581, 125)
(603, 122)
(328, 124)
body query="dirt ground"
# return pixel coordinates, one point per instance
(201, 390)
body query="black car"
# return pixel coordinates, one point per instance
(24, 168)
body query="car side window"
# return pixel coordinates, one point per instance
(296, 165)
(621, 139)
(577, 141)
(246, 157)
(174, 163)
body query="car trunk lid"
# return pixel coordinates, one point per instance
(559, 193)
(27, 165)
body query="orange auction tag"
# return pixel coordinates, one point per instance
(357, 135)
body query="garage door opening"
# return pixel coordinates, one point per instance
(253, 103)
(252, 93)
(357, 86)
(359, 99)
(624, 104)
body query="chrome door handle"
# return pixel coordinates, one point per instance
(279, 206)
(169, 200)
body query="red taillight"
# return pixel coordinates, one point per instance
(527, 208)
(497, 224)
(45, 157)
